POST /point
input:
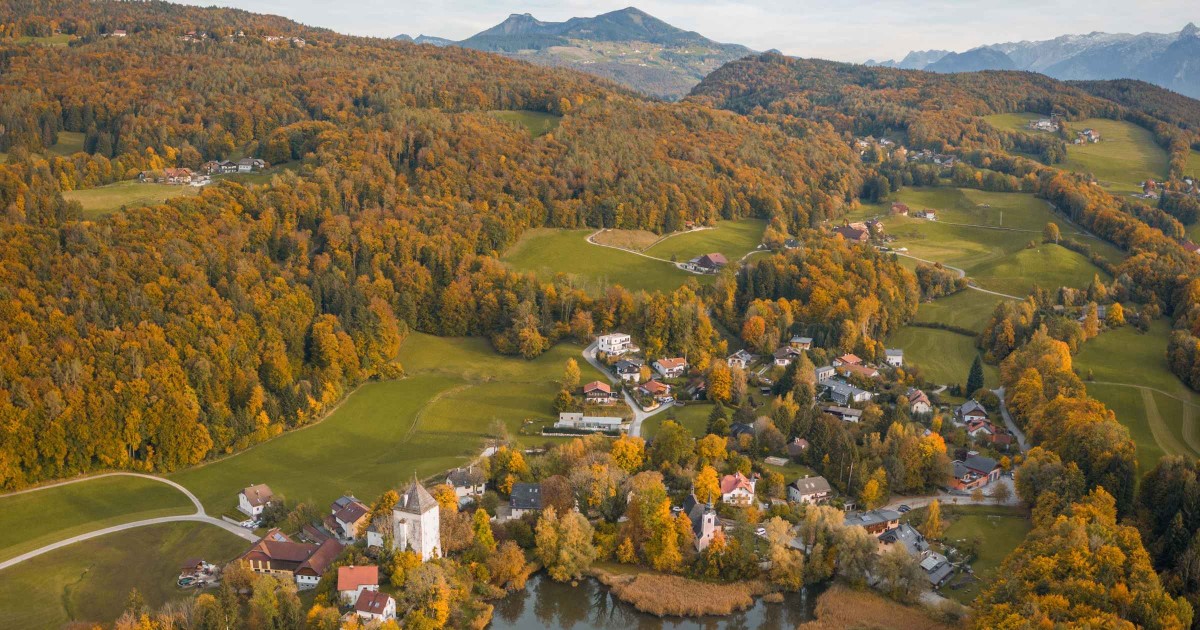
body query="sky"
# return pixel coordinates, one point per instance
(845, 30)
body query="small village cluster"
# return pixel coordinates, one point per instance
(188, 177)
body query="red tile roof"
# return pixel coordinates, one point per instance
(729, 483)
(371, 602)
(597, 386)
(350, 578)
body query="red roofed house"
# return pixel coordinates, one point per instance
(598, 393)
(347, 515)
(847, 359)
(252, 500)
(276, 554)
(375, 606)
(352, 581)
(860, 370)
(655, 389)
(899, 208)
(708, 263)
(918, 401)
(671, 368)
(852, 233)
(737, 489)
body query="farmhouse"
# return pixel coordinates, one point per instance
(629, 370)
(895, 357)
(252, 500)
(1089, 135)
(853, 234)
(918, 401)
(580, 422)
(810, 490)
(220, 167)
(875, 521)
(671, 368)
(704, 521)
(416, 522)
(615, 343)
(708, 263)
(739, 359)
(352, 581)
(900, 209)
(737, 489)
(276, 554)
(968, 411)
(347, 514)
(598, 393)
(526, 498)
(247, 165)
(845, 414)
(785, 355)
(374, 606)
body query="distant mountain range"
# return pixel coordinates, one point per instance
(1170, 60)
(628, 46)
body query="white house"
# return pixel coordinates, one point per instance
(615, 343)
(352, 581)
(801, 343)
(918, 401)
(576, 420)
(895, 356)
(253, 499)
(844, 393)
(739, 359)
(737, 489)
(525, 498)
(416, 522)
(786, 354)
(809, 490)
(375, 606)
(825, 372)
(629, 371)
(671, 368)
(467, 482)
(970, 411)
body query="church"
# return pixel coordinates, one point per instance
(416, 524)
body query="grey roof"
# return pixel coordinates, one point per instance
(627, 365)
(416, 499)
(738, 428)
(526, 496)
(696, 511)
(894, 352)
(843, 388)
(811, 485)
(980, 464)
(799, 339)
(908, 536)
(844, 411)
(874, 517)
(968, 407)
(465, 477)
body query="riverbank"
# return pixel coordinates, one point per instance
(843, 607)
(672, 595)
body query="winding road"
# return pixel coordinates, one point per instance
(200, 516)
(961, 274)
(635, 428)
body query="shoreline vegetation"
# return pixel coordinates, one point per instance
(677, 596)
(842, 607)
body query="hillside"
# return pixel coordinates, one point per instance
(627, 46)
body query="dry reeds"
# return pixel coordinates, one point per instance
(842, 607)
(673, 595)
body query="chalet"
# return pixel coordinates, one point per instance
(810, 490)
(655, 389)
(704, 521)
(352, 581)
(276, 554)
(247, 165)
(845, 414)
(900, 209)
(629, 370)
(847, 359)
(824, 373)
(918, 401)
(875, 521)
(347, 515)
(599, 393)
(615, 343)
(708, 263)
(467, 482)
(579, 422)
(177, 175)
(786, 354)
(374, 606)
(739, 359)
(738, 489)
(853, 234)
(844, 393)
(895, 357)
(936, 567)
(853, 369)
(526, 498)
(252, 500)
(801, 343)
(969, 411)
(671, 368)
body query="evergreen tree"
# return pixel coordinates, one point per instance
(975, 377)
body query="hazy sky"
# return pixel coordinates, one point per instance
(848, 30)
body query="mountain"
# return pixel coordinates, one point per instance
(629, 46)
(1170, 60)
(425, 39)
(915, 60)
(973, 61)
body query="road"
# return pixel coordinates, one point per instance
(961, 274)
(946, 498)
(635, 427)
(200, 516)
(1008, 421)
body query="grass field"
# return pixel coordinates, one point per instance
(537, 123)
(61, 39)
(1014, 122)
(1192, 168)
(633, 240)
(693, 417)
(73, 509)
(967, 309)
(68, 143)
(734, 239)
(944, 357)
(1125, 156)
(1001, 530)
(1129, 405)
(91, 580)
(98, 202)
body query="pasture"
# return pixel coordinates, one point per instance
(90, 581)
(58, 39)
(734, 239)
(536, 123)
(943, 357)
(68, 143)
(966, 309)
(999, 529)
(65, 511)
(1014, 122)
(1125, 156)
(1192, 169)
(103, 200)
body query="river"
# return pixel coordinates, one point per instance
(545, 603)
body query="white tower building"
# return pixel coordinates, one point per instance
(416, 524)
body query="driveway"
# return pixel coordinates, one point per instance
(946, 498)
(635, 427)
(200, 516)
(1008, 421)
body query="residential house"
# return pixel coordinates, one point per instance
(824, 373)
(895, 357)
(801, 343)
(352, 581)
(253, 499)
(811, 490)
(220, 167)
(785, 355)
(671, 368)
(875, 521)
(853, 234)
(577, 421)
(120, 32)
(347, 514)
(1089, 135)
(704, 521)
(708, 263)
(918, 401)
(657, 390)
(738, 489)
(936, 567)
(467, 482)
(1001, 439)
(978, 429)
(599, 393)
(845, 414)
(374, 606)
(177, 175)
(525, 498)
(847, 359)
(852, 369)
(900, 209)
(276, 554)
(985, 466)
(844, 393)
(968, 411)
(797, 447)
(965, 479)
(247, 165)
(615, 343)
(629, 370)
(416, 522)
(739, 359)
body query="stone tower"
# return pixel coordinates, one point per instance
(416, 524)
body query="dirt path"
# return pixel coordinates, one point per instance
(1158, 427)
(592, 239)
(1190, 447)
(962, 274)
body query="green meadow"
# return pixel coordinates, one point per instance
(999, 529)
(91, 580)
(103, 200)
(734, 239)
(943, 357)
(1125, 156)
(1014, 122)
(536, 123)
(68, 143)
(966, 309)
(693, 417)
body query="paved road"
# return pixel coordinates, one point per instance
(961, 274)
(1008, 421)
(946, 498)
(200, 516)
(635, 428)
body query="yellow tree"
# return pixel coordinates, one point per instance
(706, 485)
(629, 452)
(874, 491)
(711, 449)
(932, 527)
(720, 382)
(571, 375)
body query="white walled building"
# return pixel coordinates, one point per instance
(416, 522)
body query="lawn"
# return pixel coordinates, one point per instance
(693, 417)
(734, 239)
(1125, 156)
(1001, 530)
(1047, 265)
(966, 309)
(1130, 406)
(944, 357)
(98, 202)
(91, 580)
(547, 252)
(1014, 122)
(633, 240)
(537, 123)
(61, 39)
(77, 508)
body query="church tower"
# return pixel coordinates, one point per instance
(416, 522)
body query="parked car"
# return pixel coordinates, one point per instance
(903, 508)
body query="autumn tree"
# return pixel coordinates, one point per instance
(706, 486)
(564, 544)
(932, 526)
